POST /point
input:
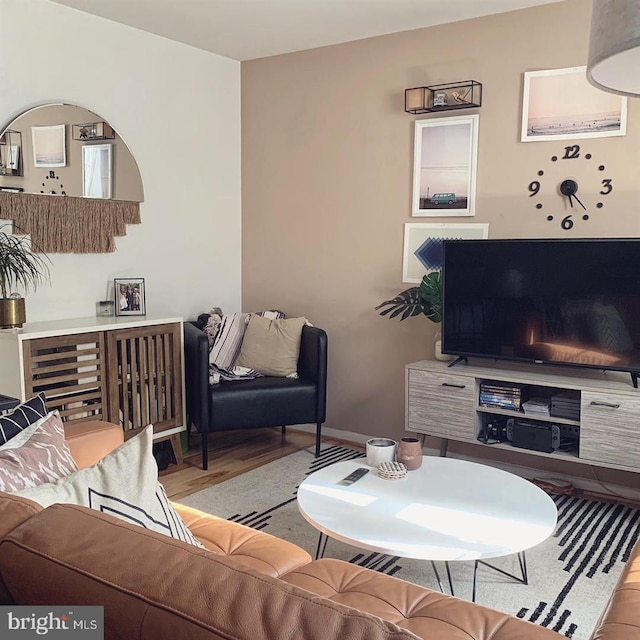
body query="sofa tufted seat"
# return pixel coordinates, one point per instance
(426, 613)
(254, 549)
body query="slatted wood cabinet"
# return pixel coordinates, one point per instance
(445, 402)
(125, 370)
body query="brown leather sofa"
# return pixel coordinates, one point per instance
(247, 585)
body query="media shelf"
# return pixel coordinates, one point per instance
(444, 402)
(521, 414)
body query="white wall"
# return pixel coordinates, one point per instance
(178, 109)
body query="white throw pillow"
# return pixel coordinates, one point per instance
(123, 484)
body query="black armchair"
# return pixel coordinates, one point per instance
(262, 402)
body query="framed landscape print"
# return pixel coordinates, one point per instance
(561, 104)
(423, 245)
(49, 148)
(444, 166)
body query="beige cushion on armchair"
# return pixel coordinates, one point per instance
(272, 346)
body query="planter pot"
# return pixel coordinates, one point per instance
(410, 453)
(12, 312)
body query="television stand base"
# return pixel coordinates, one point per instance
(460, 359)
(634, 378)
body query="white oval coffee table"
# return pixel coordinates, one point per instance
(447, 510)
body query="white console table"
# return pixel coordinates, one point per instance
(127, 370)
(444, 402)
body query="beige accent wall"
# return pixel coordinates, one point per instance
(327, 154)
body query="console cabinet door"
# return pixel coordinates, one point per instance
(608, 430)
(145, 377)
(441, 404)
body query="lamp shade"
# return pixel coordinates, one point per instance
(614, 46)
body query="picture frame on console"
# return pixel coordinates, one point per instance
(129, 296)
(444, 166)
(423, 245)
(561, 104)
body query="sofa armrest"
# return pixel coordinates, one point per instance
(312, 364)
(93, 440)
(621, 619)
(196, 376)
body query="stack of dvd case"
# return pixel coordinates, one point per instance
(566, 405)
(506, 395)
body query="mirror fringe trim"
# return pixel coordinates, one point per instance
(67, 224)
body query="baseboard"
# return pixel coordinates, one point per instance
(610, 490)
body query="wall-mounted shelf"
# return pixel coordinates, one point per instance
(11, 153)
(443, 97)
(92, 131)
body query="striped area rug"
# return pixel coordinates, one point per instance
(570, 575)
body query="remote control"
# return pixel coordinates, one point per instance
(354, 476)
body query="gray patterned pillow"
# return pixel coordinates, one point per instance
(37, 455)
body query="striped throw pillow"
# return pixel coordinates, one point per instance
(226, 347)
(21, 417)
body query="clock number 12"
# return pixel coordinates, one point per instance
(571, 152)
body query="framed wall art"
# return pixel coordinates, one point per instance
(49, 148)
(423, 245)
(560, 104)
(444, 166)
(130, 297)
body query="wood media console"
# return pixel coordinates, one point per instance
(445, 402)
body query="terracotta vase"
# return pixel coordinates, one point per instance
(410, 453)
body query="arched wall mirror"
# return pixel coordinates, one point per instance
(68, 179)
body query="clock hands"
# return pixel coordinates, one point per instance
(580, 203)
(569, 188)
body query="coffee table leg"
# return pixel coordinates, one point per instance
(522, 561)
(322, 545)
(435, 570)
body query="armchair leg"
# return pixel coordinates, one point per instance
(205, 451)
(318, 430)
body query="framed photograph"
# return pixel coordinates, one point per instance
(560, 104)
(423, 245)
(49, 146)
(444, 166)
(129, 294)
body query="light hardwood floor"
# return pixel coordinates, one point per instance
(232, 453)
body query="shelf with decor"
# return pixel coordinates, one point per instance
(447, 96)
(89, 131)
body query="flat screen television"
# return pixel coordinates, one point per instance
(561, 302)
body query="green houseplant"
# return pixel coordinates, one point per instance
(19, 265)
(425, 299)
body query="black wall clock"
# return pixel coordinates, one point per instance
(579, 180)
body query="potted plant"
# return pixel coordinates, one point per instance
(19, 265)
(425, 299)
